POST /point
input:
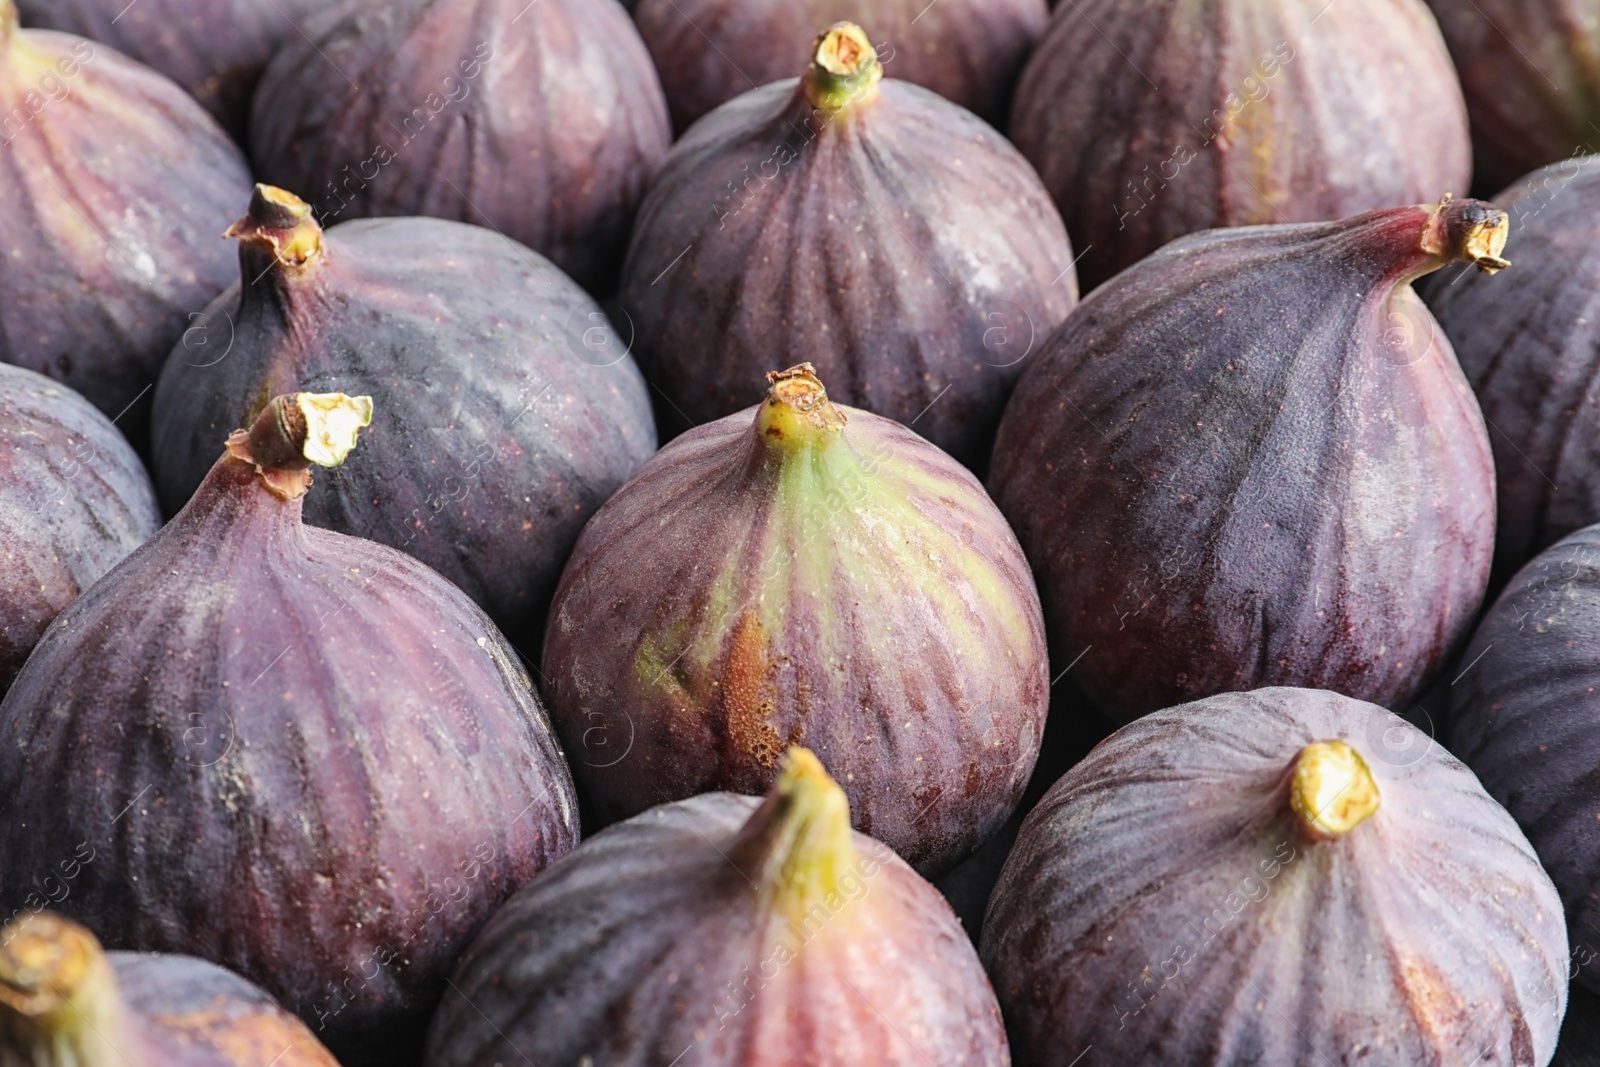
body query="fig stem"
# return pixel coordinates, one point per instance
(797, 848)
(797, 411)
(281, 223)
(1469, 230)
(297, 430)
(59, 1004)
(1331, 789)
(844, 68)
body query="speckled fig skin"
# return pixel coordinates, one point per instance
(544, 121)
(216, 49)
(1524, 717)
(504, 427)
(728, 932)
(134, 1009)
(1165, 903)
(74, 499)
(118, 187)
(301, 755)
(765, 581)
(1252, 460)
(1148, 125)
(968, 51)
(1530, 70)
(1530, 345)
(901, 245)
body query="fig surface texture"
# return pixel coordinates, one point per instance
(1252, 460)
(1281, 877)
(803, 573)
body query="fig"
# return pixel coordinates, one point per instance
(1235, 113)
(737, 931)
(1524, 715)
(1528, 347)
(1283, 876)
(803, 573)
(74, 499)
(512, 412)
(66, 1002)
(301, 755)
(856, 221)
(968, 51)
(215, 50)
(1530, 70)
(1252, 460)
(544, 121)
(120, 241)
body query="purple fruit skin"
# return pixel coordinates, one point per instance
(1252, 460)
(1525, 717)
(74, 499)
(543, 121)
(501, 432)
(905, 249)
(968, 51)
(301, 755)
(1529, 343)
(1162, 906)
(1147, 125)
(121, 186)
(639, 941)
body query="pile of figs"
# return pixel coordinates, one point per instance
(746, 533)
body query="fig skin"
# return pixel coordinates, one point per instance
(968, 51)
(1173, 856)
(504, 427)
(1530, 346)
(1252, 460)
(121, 244)
(74, 499)
(1530, 70)
(1235, 113)
(903, 247)
(545, 121)
(803, 573)
(758, 933)
(215, 49)
(64, 1002)
(1524, 717)
(301, 755)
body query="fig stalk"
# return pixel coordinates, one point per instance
(1468, 230)
(297, 430)
(844, 69)
(796, 847)
(1331, 790)
(797, 411)
(59, 1004)
(281, 223)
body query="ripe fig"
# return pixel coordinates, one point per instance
(505, 426)
(1235, 112)
(803, 573)
(1531, 349)
(968, 51)
(301, 755)
(216, 49)
(1530, 70)
(734, 931)
(858, 221)
(1525, 715)
(1281, 877)
(120, 241)
(1252, 460)
(542, 120)
(74, 499)
(65, 1002)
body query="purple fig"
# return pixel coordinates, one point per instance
(301, 755)
(1252, 460)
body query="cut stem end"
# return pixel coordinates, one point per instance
(297, 430)
(844, 68)
(1331, 789)
(1469, 230)
(281, 223)
(797, 411)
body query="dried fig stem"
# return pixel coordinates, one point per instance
(281, 223)
(796, 848)
(797, 411)
(59, 1004)
(1468, 230)
(844, 68)
(296, 430)
(1331, 789)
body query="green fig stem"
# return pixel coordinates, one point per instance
(1331, 790)
(797, 412)
(844, 69)
(297, 430)
(797, 849)
(1468, 230)
(280, 223)
(59, 1004)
